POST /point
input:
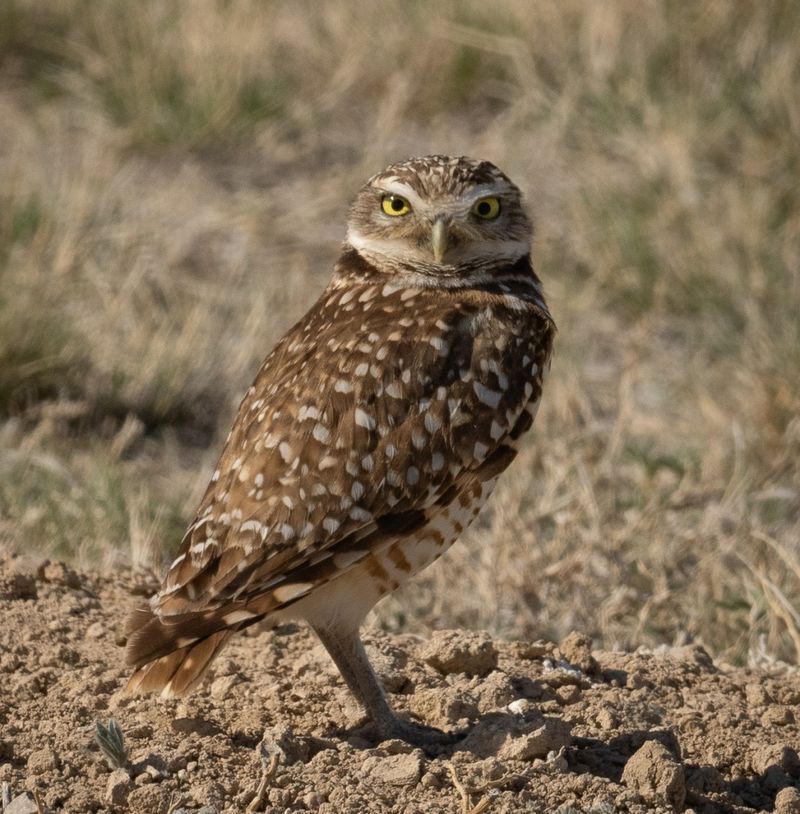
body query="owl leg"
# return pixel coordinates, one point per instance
(347, 651)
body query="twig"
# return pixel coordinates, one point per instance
(267, 774)
(175, 799)
(466, 807)
(38, 802)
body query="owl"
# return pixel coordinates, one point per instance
(374, 431)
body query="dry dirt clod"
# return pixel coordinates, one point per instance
(510, 737)
(656, 775)
(24, 803)
(118, 788)
(394, 770)
(787, 801)
(459, 651)
(576, 648)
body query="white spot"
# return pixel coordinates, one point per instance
(495, 431)
(367, 463)
(394, 390)
(357, 490)
(285, 451)
(251, 525)
(417, 439)
(360, 515)
(330, 524)
(345, 559)
(259, 480)
(321, 433)
(237, 616)
(480, 450)
(489, 397)
(437, 461)
(364, 419)
(409, 294)
(308, 411)
(287, 501)
(327, 462)
(432, 423)
(291, 591)
(177, 561)
(528, 390)
(439, 344)
(361, 370)
(287, 531)
(215, 476)
(412, 475)
(391, 451)
(343, 386)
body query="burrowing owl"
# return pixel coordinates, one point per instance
(373, 434)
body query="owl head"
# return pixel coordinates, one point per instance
(439, 215)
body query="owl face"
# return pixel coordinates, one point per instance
(439, 215)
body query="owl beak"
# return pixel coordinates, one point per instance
(439, 239)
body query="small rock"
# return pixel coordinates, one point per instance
(568, 694)
(606, 719)
(283, 741)
(656, 775)
(459, 651)
(22, 804)
(757, 695)
(42, 760)
(787, 801)
(220, 687)
(118, 787)
(777, 716)
(207, 810)
(576, 648)
(779, 755)
(96, 630)
(395, 770)
(59, 572)
(520, 706)
(143, 779)
(312, 800)
(514, 738)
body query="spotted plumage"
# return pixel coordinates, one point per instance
(373, 433)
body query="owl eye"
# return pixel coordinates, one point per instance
(487, 208)
(395, 205)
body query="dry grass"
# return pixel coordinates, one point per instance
(173, 187)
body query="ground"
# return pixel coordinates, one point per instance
(550, 727)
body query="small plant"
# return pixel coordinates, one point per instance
(112, 743)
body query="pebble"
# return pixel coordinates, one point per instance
(459, 651)
(656, 775)
(118, 787)
(22, 804)
(395, 770)
(787, 801)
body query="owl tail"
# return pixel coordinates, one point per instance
(171, 658)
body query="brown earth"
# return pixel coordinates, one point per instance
(551, 727)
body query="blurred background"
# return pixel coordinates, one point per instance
(174, 182)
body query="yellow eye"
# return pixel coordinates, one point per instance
(486, 208)
(395, 205)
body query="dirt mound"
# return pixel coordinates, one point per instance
(550, 727)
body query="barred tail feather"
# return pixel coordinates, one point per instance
(172, 657)
(179, 672)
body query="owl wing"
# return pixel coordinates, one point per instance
(352, 435)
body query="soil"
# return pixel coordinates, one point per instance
(550, 727)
